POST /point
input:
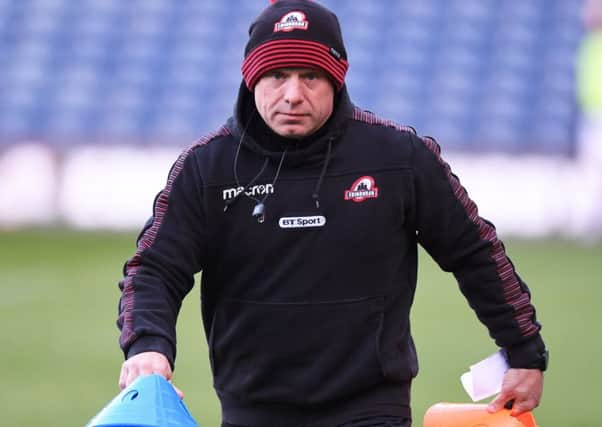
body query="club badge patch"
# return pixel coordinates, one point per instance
(363, 188)
(292, 21)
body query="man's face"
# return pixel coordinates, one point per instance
(294, 102)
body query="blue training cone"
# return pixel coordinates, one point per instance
(150, 401)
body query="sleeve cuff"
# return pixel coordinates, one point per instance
(524, 354)
(153, 343)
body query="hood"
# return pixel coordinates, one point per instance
(259, 138)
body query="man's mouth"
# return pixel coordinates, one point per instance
(293, 115)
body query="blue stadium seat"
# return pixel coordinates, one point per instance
(478, 74)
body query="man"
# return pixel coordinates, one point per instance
(304, 213)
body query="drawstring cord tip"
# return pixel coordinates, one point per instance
(316, 200)
(259, 212)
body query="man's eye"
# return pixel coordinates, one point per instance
(277, 75)
(311, 76)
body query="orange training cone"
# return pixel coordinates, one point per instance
(473, 415)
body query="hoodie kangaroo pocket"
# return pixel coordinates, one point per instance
(296, 353)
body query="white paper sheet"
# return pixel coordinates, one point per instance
(485, 377)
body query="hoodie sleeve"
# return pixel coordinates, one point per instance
(450, 229)
(170, 250)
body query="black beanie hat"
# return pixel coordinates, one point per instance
(295, 33)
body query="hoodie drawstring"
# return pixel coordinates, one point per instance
(235, 169)
(316, 193)
(246, 187)
(259, 209)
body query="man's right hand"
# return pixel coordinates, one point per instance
(146, 363)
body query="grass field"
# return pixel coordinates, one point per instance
(60, 358)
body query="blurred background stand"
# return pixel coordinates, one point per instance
(589, 137)
(101, 95)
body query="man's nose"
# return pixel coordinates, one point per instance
(293, 91)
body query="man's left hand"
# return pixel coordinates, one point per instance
(522, 386)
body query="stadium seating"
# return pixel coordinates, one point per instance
(476, 74)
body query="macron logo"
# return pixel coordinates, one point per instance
(256, 190)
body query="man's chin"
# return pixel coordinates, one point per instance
(292, 132)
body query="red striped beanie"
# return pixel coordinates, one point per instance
(295, 33)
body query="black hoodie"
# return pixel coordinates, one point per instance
(306, 308)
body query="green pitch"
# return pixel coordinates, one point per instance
(60, 359)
